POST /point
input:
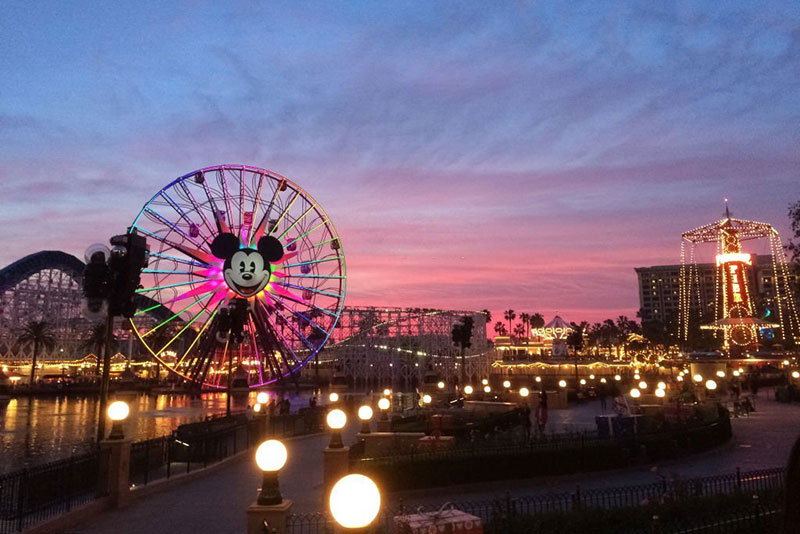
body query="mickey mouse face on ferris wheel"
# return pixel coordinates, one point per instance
(246, 270)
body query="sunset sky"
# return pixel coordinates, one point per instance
(472, 155)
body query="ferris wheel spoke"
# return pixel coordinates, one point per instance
(179, 284)
(177, 259)
(270, 338)
(301, 236)
(169, 224)
(226, 197)
(199, 210)
(254, 345)
(284, 213)
(294, 223)
(305, 288)
(174, 316)
(182, 214)
(202, 257)
(312, 262)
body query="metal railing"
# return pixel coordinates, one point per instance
(37, 493)
(31, 495)
(167, 456)
(502, 515)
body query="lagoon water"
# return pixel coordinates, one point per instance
(35, 430)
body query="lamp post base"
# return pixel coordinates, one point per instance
(274, 515)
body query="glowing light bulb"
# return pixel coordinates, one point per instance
(562, 383)
(118, 411)
(635, 393)
(538, 378)
(662, 385)
(721, 374)
(262, 398)
(487, 389)
(711, 385)
(355, 501)
(506, 384)
(660, 393)
(271, 455)
(602, 380)
(426, 399)
(697, 378)
(440, 385)
(336, 419)
(484, 381)
(384, 404)
(523, 392)
(365, 413)
(387, 392)
(583, 381)
(468, 390)
(333, 397)
(795, 374)
(617, 378)
(643, 384)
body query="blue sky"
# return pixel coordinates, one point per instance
(471, 154)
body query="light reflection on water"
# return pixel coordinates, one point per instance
(38, 430)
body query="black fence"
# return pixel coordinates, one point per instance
(202, 444)
(669, 506)
(480, 462)
(34, 494)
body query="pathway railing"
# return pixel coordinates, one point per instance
(37, 493)
(518, 514)
(31, 495)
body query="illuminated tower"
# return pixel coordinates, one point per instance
(734, 305)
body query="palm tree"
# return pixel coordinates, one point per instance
(40, 334)
(95, 342)
(509, 316)
(536, 320)
(519, 331)
(488, 315)
(526, 320)
(500, 328)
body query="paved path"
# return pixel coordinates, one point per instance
(216, 502)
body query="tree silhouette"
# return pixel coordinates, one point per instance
(40, 334)
(500, 328)
(509, 316)
(95, 342)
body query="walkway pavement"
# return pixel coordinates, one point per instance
(216, 502)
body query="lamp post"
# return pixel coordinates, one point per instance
(270, 457)
(336, 420)
(117, 411)
(354, 503)
(118, 453)
(335, 457)
(365, 414)
(270, 506)
(383, 406)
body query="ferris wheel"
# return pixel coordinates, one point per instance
(251, 273)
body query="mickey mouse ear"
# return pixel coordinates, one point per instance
(270, 248)
(224, 245)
